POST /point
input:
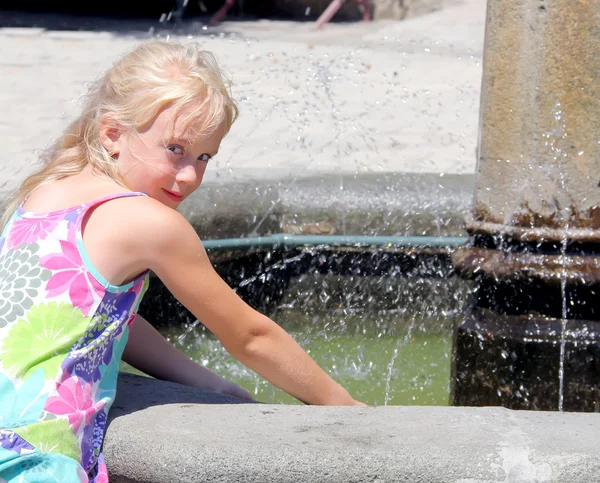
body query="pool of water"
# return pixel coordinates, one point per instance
(387, 358)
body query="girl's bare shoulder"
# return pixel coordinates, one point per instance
(141, 231)
(144, 222)
(141, 215)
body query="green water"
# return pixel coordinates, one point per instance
(357, 352)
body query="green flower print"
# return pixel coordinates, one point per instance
(20, 280)
(43, 338)
(53, 436)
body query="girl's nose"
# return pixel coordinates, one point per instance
(187, 174)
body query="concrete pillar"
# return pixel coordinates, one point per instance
(535, 226)
(539, 150)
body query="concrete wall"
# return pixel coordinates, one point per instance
(162, 432)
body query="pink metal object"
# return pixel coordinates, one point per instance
(335, 5)
(329, 12)
(218, 16)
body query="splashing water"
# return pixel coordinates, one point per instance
(561, 368)
(351, 325)
(399, 344)
(301, 114)
(559, 134)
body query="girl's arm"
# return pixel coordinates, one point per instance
(148, 351)
(174, 252)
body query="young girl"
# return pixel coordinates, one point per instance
(79, 239)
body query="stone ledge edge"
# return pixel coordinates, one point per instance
(162, 432)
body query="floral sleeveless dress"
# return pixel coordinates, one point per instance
(63, 329)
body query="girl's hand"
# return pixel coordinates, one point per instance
(231, 389)
(172, 365)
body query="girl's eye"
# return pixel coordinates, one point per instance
(204, 157)
(175, 149)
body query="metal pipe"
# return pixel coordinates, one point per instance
(288, 240)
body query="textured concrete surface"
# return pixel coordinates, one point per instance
(185, 441)
(539, 164)
(379, 97)
(331, 120)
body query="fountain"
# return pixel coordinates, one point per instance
(533, 235)
(533, 339)
(376, 309)
(359, 244)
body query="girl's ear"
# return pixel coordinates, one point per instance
(110, 132)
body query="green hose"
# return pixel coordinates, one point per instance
(284, 240)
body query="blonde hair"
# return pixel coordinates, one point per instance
(136, 89)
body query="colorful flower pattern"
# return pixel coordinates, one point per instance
(62, 334)
(48, 331)
(21, 279)
(69, 274)
(74, 399)
(23, 405)
(51, 436)
(30, 230)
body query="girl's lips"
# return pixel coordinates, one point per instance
(173, 196)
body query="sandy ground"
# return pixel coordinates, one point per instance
(384, 96)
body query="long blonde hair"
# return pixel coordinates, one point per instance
(136, 89)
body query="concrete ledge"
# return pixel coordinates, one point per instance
(404, 204)
(161, 432)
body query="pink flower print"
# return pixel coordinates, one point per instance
(102, 476)
(70, 274)
(74, 400)
(30, 230)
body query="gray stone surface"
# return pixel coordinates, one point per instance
(379, 97)
(183, 441)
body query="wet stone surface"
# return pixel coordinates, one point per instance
(515, 362)
(396, 204)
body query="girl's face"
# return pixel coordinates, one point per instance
(163, 160)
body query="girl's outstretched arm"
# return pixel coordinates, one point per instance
(172, 249)
(148, 351)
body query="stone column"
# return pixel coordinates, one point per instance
(535, 228)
